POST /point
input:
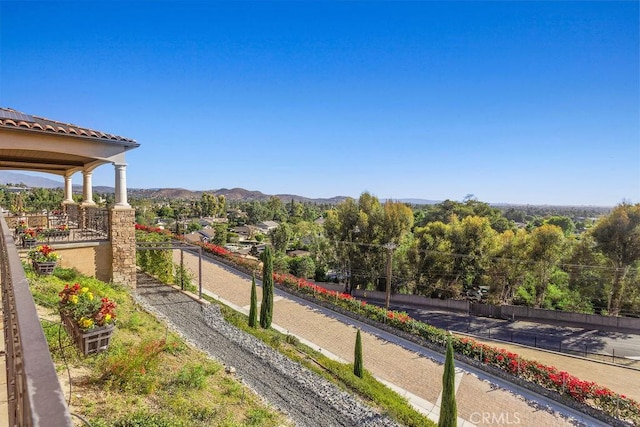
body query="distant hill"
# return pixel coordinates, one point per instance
(28, 180)
(162, 193)
(235, 194)
(414, 201)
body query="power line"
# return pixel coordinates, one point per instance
(492, 258)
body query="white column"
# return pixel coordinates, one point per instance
(121, 186)
(87, 188)
(68, 190)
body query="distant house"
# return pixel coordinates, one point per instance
(204, 222)
(215, 220)
(266, 226)
(256, 250)
(298, 252)
(207, 234)
(237, 216)
(193, 237)
(18, 189)
(245, 232)
(319, 221)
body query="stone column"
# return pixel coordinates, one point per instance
(87, 188)
(121, 186)
(68, 190)
(123, 246)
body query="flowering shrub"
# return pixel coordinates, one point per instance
(29, 232)
(43, 253)
(149, 229)
(546, 376)
(85, 308)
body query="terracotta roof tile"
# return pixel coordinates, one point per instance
(10, 118)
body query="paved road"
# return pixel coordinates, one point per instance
(547, 336)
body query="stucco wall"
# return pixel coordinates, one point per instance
(91, 258)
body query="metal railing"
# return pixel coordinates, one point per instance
(78, 223)
(34, 394)
(553, 343)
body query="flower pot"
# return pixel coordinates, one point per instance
(56, 234)
(88, 342)
(44, 268)
(28, 243)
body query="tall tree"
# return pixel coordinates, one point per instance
(276, 209)
(359, 229)
(617, 236)
(564, 222)
(253, 310)
(358, 369)
(545, 249)
(432, 260)
(448, 408)
(588, 273)
(266, 310)
(473, 242)
(280, 237)
(508, 270)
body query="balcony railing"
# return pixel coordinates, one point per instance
(76, 223)
(34, 394)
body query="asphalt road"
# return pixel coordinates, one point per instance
(548, 336)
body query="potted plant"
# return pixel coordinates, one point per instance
(21, 227)
(57, 232)
(44, 259)
(88, 319)
(29, 238)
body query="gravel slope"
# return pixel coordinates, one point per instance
(306, 398)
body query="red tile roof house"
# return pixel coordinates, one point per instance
(102, 244)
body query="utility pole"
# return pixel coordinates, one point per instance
(348, 289)
(390, 247)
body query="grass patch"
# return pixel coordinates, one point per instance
(149, 377)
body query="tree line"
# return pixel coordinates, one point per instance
(445, 250)
(569, 258)
(574, 259)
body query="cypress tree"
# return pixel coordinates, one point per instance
(357, 363)
(266, 310)
(448, 410)
(253, 311)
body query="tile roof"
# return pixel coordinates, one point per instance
(10, 118)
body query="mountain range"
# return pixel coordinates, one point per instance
(177, 193)
(236, 194)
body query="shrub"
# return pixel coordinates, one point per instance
(292, 340)
(357, 363)
(192, 376)
(253, 310)
(132, 369)
(266, 310)
(448, 410)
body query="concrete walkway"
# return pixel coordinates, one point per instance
(413, 375)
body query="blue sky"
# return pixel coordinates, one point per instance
(517, 102)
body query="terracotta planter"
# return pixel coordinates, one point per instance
(44, 268)
(88, 342)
